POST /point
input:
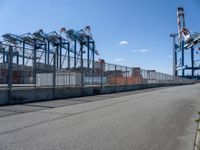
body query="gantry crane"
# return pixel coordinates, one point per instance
(40, 47)
(84, 38)
(182, 42)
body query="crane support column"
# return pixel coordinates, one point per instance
(93, 58)
(68, 55)
(4, 55)
(48, 52)
(60, 56)
(174, 35)
(10, 74)
(23, 53)
(192, 61)
(82, 70)
(88, 52)
(75, 53)
(183, 59)
(34, 64)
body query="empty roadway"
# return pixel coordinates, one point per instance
(153, 119)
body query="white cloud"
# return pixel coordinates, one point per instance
(140, 50)
(123, 43)
(119, 59)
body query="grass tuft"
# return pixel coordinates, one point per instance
(197, 120)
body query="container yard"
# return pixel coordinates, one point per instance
(99, 75)
(67, 58)
(47, 63)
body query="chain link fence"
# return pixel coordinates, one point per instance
(64, 72)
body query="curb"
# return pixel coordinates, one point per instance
(197, 137)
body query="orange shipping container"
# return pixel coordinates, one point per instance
(125, 80)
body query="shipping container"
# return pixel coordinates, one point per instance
(88, 80)
(62, 79)
(125, 80)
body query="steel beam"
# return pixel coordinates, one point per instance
(75, 51)
(68, 55)
(183, 58)
(192, 61)
(10, 74)
(34, 63)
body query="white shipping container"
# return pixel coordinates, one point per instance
(44, 79)
(68, 79)
(62, 79)
(94, 80)
(152, 81)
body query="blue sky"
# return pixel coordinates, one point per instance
(142, 26)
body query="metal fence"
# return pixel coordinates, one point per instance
(36, 74)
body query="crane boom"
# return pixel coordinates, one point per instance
(80, 36)
(183, 33)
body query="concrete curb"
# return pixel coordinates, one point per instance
(197, 137)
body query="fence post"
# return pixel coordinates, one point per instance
(126, 78)
(54, 73)
(93, 72)
(34, 64)
(82, 76)
(69, 63)
(132, 77)
(10, 77)
(115, 76)
(101, 74)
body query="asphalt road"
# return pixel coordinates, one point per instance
(155, 119)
